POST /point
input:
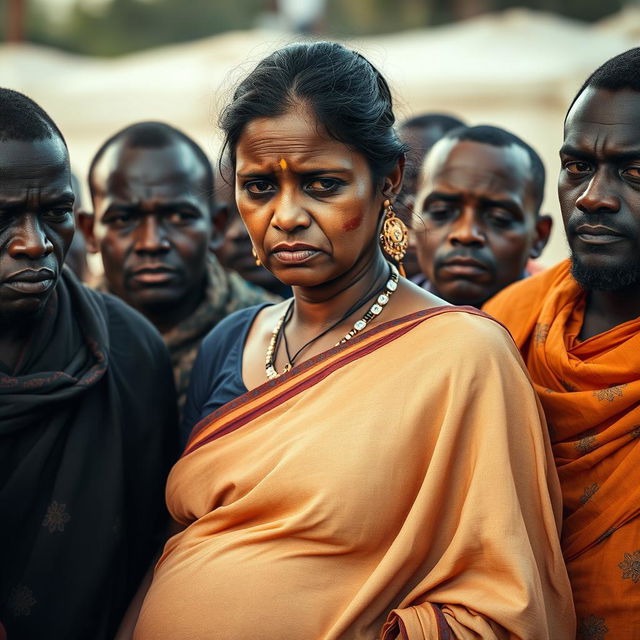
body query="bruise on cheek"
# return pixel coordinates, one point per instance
(352, 224)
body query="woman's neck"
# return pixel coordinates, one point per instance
(317, 308)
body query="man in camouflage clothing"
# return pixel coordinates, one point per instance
(154, 223)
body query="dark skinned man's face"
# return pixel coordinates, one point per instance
(599, 188)
(478, 222)
(36, 224)
(152, 224)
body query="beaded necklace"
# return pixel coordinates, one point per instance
(374, 310)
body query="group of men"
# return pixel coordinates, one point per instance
(90, 389)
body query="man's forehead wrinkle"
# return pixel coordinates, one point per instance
(603, 141)
(46, 193)
(471, 174)
(139, 179)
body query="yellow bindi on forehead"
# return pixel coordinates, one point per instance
(283, 164)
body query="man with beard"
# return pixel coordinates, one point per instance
(87, 409)
(154, 223)
(578, 328)
(478, 214)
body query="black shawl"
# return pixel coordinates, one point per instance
(87, 433)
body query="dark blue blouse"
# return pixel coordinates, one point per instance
(216, 377)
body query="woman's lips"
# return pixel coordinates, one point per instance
(294, 256)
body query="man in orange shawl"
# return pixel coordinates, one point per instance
(578, 328)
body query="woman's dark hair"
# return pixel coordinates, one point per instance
(346, 92)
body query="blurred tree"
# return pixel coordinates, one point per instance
(122, 26)
(363, 17)
(15, 20)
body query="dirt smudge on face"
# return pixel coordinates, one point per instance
(352, 224)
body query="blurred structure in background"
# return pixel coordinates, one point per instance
(114, 27)
(516, 68)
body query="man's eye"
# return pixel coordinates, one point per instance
(500, 218)
(182, 217)
(119, 219)
(577, 168)
(439, 211)
(259, 187)
(323, 185)
(632, 172)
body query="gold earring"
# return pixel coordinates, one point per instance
(254, 253)
(394, 237)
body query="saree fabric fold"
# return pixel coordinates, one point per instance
(84, 451)
(590, 391)
(395, 486)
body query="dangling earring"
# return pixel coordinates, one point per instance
(254, 253)
(394, 237)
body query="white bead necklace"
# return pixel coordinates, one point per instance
(359, 325)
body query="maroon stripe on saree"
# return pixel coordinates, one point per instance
(350, 356)
(444, 630)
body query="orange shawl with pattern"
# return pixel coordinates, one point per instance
(395, 486)
(590, 391)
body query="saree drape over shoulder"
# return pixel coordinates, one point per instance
(395, 486)
(590, 391)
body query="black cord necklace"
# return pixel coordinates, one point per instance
(373, 290)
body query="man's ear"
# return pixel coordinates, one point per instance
(544, 223)
(86, 221)
(219, 221)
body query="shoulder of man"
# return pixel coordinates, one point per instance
(518, 305)
(123, 319)
(141, 369)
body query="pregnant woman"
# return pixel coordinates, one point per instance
(365, 461)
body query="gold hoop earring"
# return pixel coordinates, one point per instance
(254, 253)
(395, 236)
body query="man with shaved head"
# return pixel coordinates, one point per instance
(578, 329)
(155, 223)
(477, 213)
(87, 409)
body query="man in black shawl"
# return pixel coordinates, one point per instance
(87, 410)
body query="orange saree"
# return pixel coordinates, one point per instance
(396, 486)
(590, 391)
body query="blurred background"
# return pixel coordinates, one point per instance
(98, 65)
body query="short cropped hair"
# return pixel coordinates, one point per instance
(22, 119)
(497, 137)
(154, 135)
(620, 72)
(436, 120)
